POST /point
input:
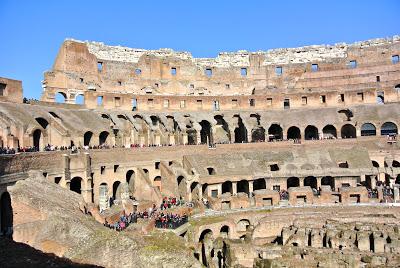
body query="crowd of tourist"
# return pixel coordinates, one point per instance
(123, 222)
(170, 220)
(8, 150)
(372, 193)
(171, 202)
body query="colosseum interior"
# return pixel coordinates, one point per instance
(280, 158)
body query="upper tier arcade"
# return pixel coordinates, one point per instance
(115, 77)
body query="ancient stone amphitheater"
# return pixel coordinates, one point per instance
(284, 158)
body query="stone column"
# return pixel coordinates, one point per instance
(199, 189)
(251, 188)
(396, 194)
(301, 181)
(103, 198)
(234, 188)
(198, 137)
(189, 193)
(319, 179)
(219, 189)
(184, 138)
(373, 181)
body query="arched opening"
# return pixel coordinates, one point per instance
(329, 132)
(375, 164)
(259, 184)
(205, 133)
(389, 128)
(224, 231)
(328, 180)
(293, 133)
(243, 225)
(76, 185)
(275, 132)
(211, 171)
(204, 238)
(292, 182)
(103, 137)
(311, 133)
(181, 182)
(243, 187)
(395, 164)
(240, 131)
(42, 122)
(310, 181)
(380, 97)
(368, 129)
(116, 190)
(194, 189)
(80, 99)
(87, 137)
(157, 182)
(222, 132)
(192, 136)
(397, 181)
(258, 134)
(60, 97)
(348, 132)
(227, 187)
(6, 215)
(130, 179)
(37, 137)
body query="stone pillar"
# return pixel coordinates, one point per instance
(184, 138)
(103, 198)
(396, 194)
(198, 137)
(189, 193)
(380, 193)
(232, 136)
(301, 182)
(199, 190)
(234, 188)
(373, 182)
(219, 189)
(319, 182)
(251, 188)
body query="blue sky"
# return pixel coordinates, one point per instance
(32, 31)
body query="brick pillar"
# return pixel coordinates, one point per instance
(234, 188)
(251, 188)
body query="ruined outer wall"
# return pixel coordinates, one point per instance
(75, 71)
(10, 90)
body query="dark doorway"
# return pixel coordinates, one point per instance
(293, 182)
(275, 132)
(311, 133)
(76, 184)
(6, 215)
(205, 133)
(293, 133)
(87, 137)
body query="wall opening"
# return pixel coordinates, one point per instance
(60, 97)
(103, 137)
(240, 131)
(243, 187)
(293, 133)
(311, 133)
(329, 132)
(205, 133)
(87, 137)
(76, 185)
(275, 132)
(389, 128)
(292, 182)
(368, 129)
(259, 184)
(348, 132)
(227, 187)
(310, 181)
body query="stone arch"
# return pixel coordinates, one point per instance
(191, 135)
(329, 132)
(80, 99)
(157, 182)
(258, 134)
(275, 132)
(348, 131)
(375, 163)
(194, 189)
(328, 180)
(6, 215)
(60, 97)
(240, 131)
(130, 179)
(205, 132)
(389, 128)
(259, 184)
(222, 132)
(205, 237)
(368, 129)
(87, 137)
(42, 122)
(292, 182)
(75, 185)
(243, 225)
(243, 186)
(116, 190)
(37, 139)
(311, 133)
(293, 133)
(181, 183)
(310, 181)
(103, 137)
(227, 187)
(395, 164)
(224, 231)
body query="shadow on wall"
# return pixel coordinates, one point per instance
(13, 254)
(6, 215)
